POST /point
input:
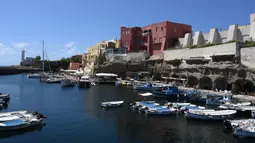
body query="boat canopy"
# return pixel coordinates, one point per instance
(106, 74)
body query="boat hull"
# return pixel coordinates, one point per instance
(244, 133)
(84, 84)
(21, 126)
(207, 117)
(160, 94)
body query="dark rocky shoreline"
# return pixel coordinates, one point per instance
(16, 70)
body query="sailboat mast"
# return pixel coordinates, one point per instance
(43, 55)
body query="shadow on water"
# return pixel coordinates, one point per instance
(7, 134)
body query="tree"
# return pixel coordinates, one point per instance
(76, 58)
(37, 61)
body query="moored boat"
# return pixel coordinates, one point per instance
(9, 116)
(34, 75)
(112, 104)
(20, 123)
(170, 92)
(67, 83)
(136, 105)
(218, 100)
(148, 87)
(245, 131)
(84, 82)
(4, 97)
(160, 110)
(191, 107)
(232, 124)
(210, 114)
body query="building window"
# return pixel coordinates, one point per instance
(174, 30)
(128, 32)
(160, 40)
(155, 40)
(156, 29)
(161, 28)
(123, 32)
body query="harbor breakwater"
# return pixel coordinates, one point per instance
(16, 70)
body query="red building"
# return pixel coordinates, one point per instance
(74, 66)
(154, 38)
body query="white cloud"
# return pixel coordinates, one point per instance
(20, 44)
(69, 45)
(5, 50)
(68, 50)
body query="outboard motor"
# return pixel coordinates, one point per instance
(227, 124)
(131, 103)
(4, 103)
(35, 113)
(40, 116)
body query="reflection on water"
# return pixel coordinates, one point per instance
(75, 115)
(8, 134)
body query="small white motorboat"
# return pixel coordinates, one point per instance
(145, 94)
(12, 113)
(246, 131)
(191, 107)
(9, 116)
(20, 124)
(34, 75)
(5, 97)
(210, 114)
(160, 110)
(136, 105)
(67, 83)
(232, 124)
(234, 105)
(111, 104)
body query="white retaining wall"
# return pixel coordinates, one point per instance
(185, 53)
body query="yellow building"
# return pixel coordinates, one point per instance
(94, 51)
(117, 43)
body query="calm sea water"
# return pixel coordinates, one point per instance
(74, 115)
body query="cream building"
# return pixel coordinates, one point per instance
(94, 52)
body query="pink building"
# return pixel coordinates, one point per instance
(154, 38)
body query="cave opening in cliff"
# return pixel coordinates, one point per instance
(244, 86)
(192, 81)
(205, 83)
(220, 83)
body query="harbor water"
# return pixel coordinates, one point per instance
(74, 115)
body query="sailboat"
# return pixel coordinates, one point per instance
(42, 74)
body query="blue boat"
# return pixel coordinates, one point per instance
(170, 92)
(210, 114)
(148, 87)
(136, 105)
(160, 110)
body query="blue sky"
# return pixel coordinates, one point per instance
(70, 26)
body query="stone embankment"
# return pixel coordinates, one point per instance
(16, 70)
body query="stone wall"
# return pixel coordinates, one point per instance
(130, 57)
(186, 53)
(248, 57)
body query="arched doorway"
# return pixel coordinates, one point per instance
(205, 83)
(192, 81)
(220, 83)
(243, 86)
